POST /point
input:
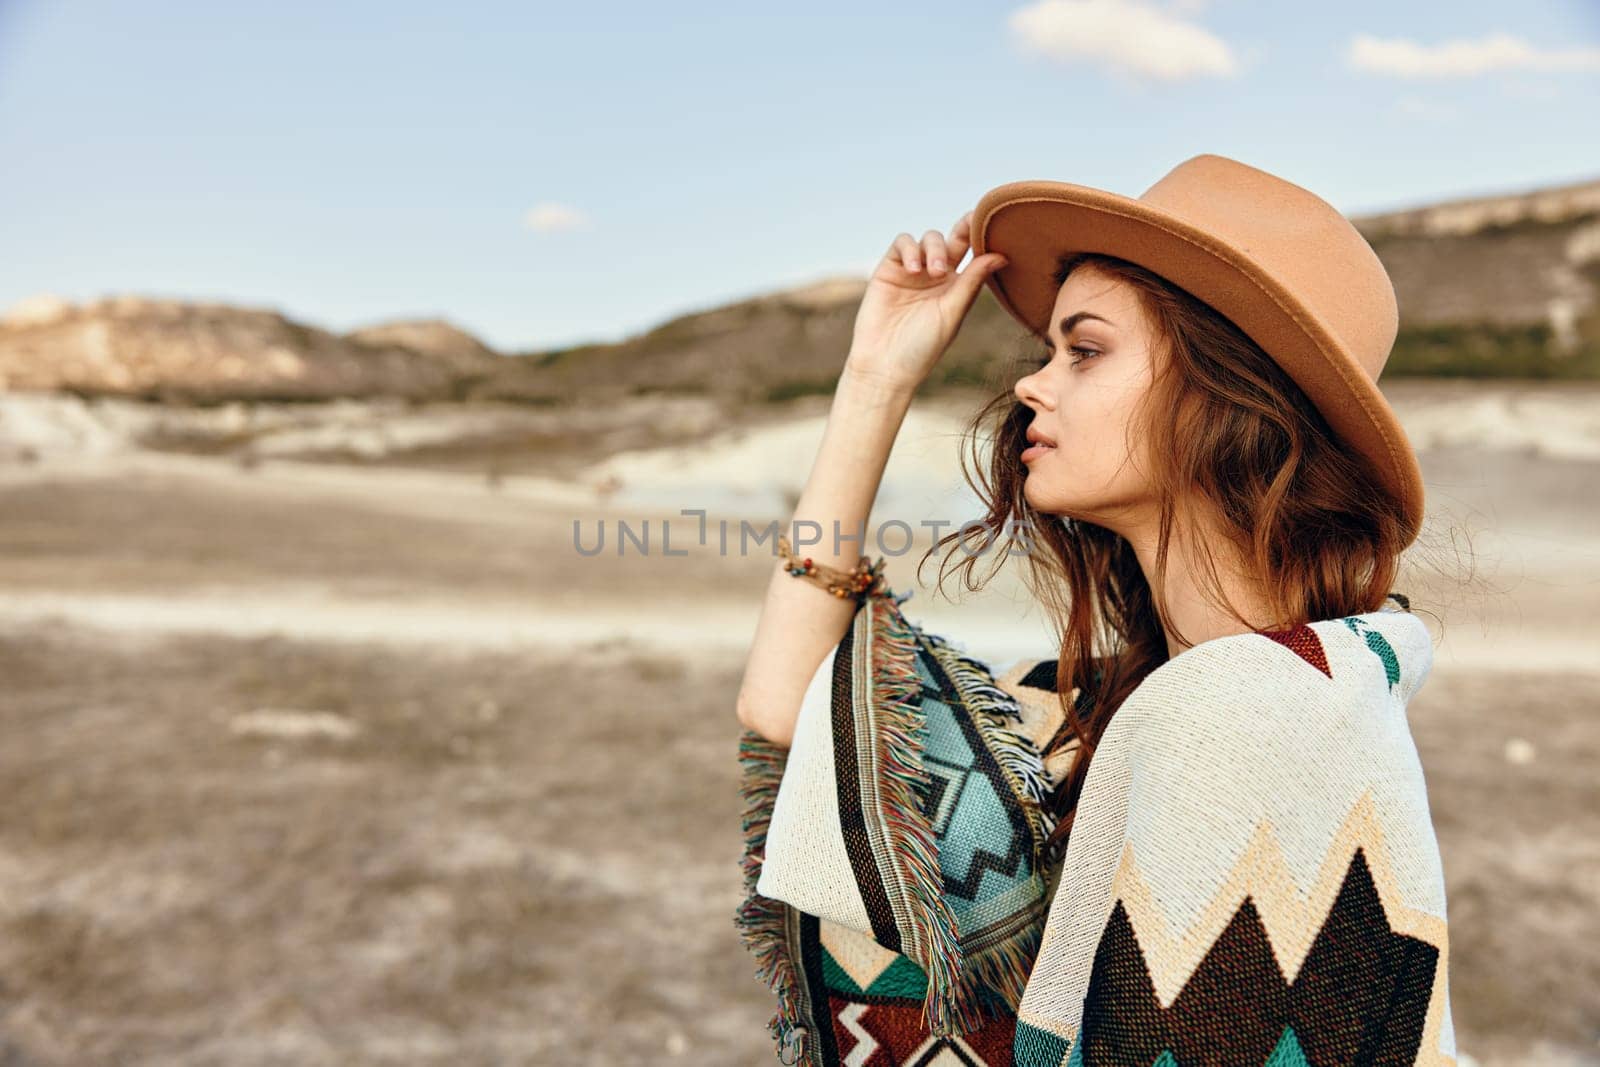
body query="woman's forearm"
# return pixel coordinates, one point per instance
(801, 621)
(907, 318)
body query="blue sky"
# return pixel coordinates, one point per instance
(549, 174)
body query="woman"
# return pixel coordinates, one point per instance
(1200, 832)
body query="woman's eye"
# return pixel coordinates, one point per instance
(1044, 358)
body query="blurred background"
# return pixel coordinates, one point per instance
(336, 337)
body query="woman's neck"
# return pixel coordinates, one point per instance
(1189, 615)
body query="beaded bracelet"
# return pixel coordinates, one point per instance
(866, 580)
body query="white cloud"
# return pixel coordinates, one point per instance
(548, 217)
(1464, 58)
(1125, 35)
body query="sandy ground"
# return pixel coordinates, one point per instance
(314, 763)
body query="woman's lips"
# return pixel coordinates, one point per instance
(1034, 451)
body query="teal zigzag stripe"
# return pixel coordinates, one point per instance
(1038, 1048)
(1034, 1047)
(1380, 647)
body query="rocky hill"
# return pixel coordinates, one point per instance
(771, 348)
(187, 352)
(446, 343)
(1503, 286)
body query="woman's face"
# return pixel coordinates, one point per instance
(1102, 361)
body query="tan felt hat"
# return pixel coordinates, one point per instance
(1276, 259)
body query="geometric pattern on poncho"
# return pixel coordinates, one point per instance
(1358, 969)
(1365, 985)
(1362, 988)
(987, 842)
(875, 1000)
(981, 792)
(940, 791)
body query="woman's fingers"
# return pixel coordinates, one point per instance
(960, 239)
(909, 251)
(934, 252)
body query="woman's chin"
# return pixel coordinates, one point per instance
(1036, 491)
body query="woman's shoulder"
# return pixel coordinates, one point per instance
(1304, 731)
(1258, 794)
(1354, 671)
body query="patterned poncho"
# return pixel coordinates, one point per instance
(1252, 876)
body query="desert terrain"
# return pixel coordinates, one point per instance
(334, 748)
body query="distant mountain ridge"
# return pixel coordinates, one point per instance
(190, 351)
(1494, 286)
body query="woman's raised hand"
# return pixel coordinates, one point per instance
(914, 304)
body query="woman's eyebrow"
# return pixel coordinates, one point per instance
(1076, 317)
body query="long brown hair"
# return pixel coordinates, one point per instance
(1237, 442)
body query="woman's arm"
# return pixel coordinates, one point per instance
(908, 317)
(800, 621)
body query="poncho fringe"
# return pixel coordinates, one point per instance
(967, 985)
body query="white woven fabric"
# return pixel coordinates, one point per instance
(807, 865)
(1239, 769)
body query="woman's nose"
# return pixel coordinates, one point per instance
(1032, 390)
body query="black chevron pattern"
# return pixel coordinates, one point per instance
(1360, 996)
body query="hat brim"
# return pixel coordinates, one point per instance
(1035, 223)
